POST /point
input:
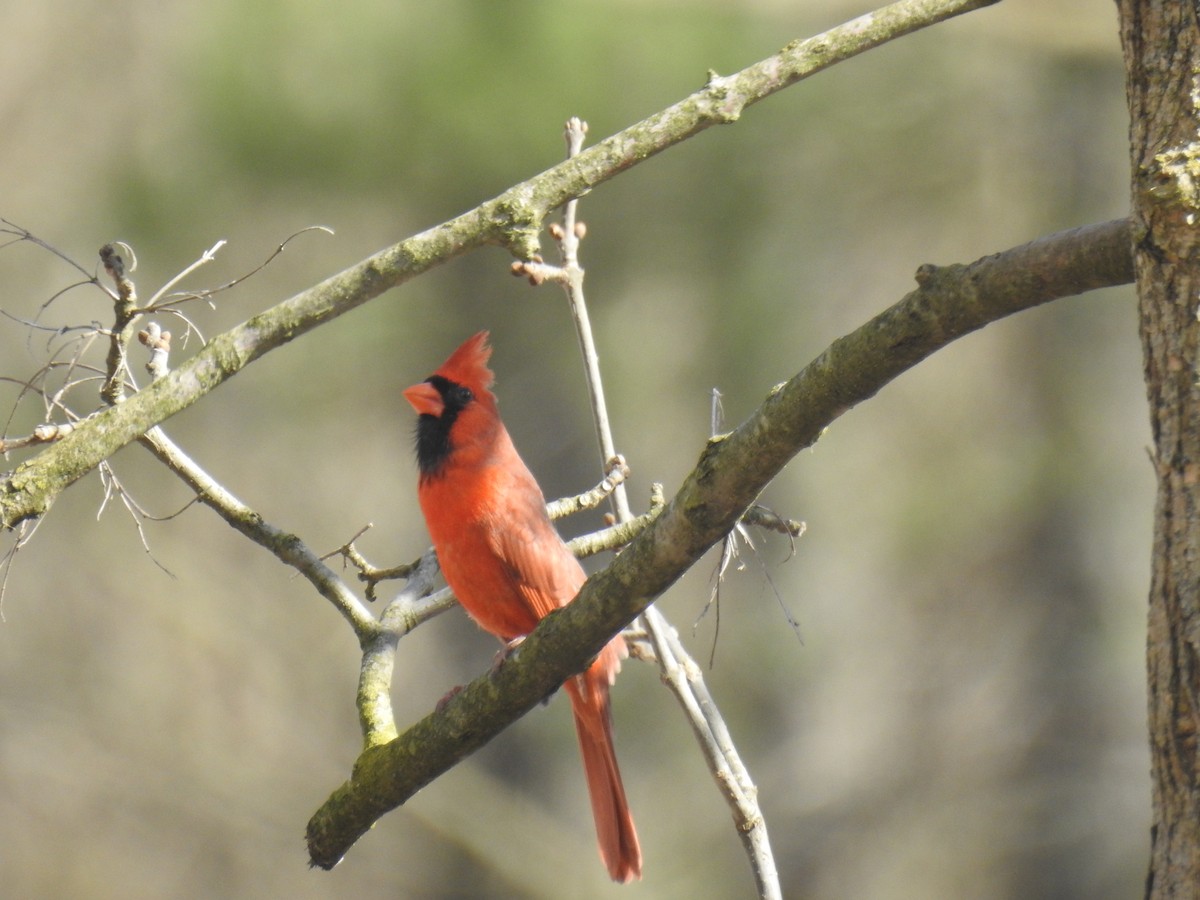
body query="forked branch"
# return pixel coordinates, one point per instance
(949, 303)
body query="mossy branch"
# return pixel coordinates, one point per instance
(512, 220)
(733, 469)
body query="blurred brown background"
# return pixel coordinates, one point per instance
(964, 714)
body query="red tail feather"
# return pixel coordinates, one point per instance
(618, 840)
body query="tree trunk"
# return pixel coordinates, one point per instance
(1162, 63)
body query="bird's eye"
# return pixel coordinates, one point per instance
(462, 396)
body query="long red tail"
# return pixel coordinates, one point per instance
(615, 833)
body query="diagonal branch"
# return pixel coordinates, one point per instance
(733, 469)
(512, 220)
(286, 547)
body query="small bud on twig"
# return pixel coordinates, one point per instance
(159, 342)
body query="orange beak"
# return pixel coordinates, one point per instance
(425, 399)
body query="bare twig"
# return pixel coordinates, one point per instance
(704, 717)
(687, 683)
(369, 574)
(161, 301)
(617, 536)
(125, 313)
(755, 515)
(24, 533)
(21, 234)
(569, 237)
(206, 257)
(285, 546)
(114, 488)
(616, 473)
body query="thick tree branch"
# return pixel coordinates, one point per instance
(950, 302)
(1161, 47)
(512, 219)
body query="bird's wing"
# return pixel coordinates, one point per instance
(544, 571)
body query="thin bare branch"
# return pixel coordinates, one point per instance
(288, 548)
(22, 234)
(160, 300)
(687, 683)
(704, 718)
(368, 573)
(206, 257)
(616, 471)
(24, 533)
(617, 536)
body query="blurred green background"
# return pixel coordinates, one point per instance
(964, 715)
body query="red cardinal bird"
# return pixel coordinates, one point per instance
(505, 561)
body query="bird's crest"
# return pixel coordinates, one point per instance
(468, 364)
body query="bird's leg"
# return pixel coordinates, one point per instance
(509, 648)
(450, 695)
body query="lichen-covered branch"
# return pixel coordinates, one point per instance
(512, 219)
(732, 470)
